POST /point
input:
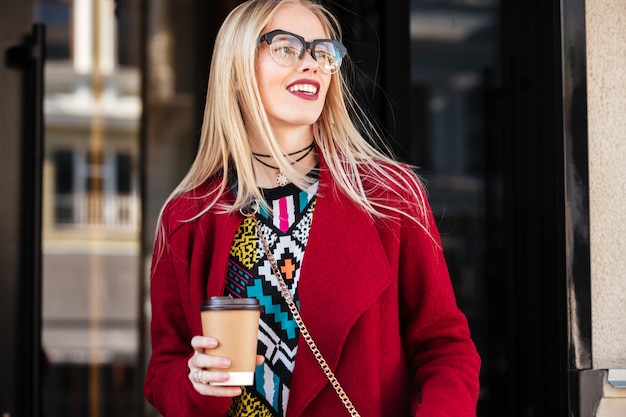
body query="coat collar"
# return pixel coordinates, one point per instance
(345, 269)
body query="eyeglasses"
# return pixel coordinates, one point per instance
(287, 48)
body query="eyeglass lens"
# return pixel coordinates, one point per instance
(286, 50)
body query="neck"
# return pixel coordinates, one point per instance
(297, 156)
(294, 145)
(268, 174)
(288, 139)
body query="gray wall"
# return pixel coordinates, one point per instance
(606, 83)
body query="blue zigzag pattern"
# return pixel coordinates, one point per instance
(256, 291)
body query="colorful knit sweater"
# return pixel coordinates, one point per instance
(285, 227)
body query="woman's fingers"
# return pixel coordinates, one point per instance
(204, 361)
(199, 374)
(202, 380)
(200, 343)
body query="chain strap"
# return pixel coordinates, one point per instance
(296, 315)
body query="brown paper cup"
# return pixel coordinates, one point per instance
(234, 322)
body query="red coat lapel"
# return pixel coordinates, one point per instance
(345, 269)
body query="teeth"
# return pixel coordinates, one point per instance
(305, 88)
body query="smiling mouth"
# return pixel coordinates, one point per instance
(303, 88)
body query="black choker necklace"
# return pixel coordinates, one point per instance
(281, 178)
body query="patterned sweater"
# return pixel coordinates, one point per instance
(286, 230)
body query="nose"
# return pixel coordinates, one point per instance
(308, 62)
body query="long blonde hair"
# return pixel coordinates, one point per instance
(233, 92)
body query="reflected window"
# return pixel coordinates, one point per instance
(95, 190)
(55, 14)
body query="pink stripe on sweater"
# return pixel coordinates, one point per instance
(283, 215)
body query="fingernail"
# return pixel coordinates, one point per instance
(225, 363)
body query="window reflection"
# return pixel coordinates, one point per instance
(91, 208)
(56, 15)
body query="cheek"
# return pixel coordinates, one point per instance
(266, 90)
(327, 87)
(263, 84)
(267, 75)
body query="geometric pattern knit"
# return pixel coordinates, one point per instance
(286, 229)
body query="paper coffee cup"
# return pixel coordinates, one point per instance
(234, 322)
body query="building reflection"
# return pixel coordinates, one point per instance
(91, 207)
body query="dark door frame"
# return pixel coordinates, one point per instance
(21, 81)
(547, 200)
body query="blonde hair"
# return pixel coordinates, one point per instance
(233, 92)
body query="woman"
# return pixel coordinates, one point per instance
(351, 231)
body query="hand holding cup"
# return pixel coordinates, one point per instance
(206, 370)
(230, 327)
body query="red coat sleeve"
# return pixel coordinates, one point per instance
(167, 386)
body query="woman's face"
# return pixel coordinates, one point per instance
(293, 96)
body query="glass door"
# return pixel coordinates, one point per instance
(91, 208)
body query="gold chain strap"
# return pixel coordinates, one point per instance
(296, 315)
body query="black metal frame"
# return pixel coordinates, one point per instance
(584, 383)
(548, 215)
(25, 366)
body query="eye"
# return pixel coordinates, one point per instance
(325, 56)
(285, 48)
(327, 53)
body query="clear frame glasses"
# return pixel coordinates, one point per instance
(287, 48)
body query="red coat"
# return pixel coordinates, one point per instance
(375, 295)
